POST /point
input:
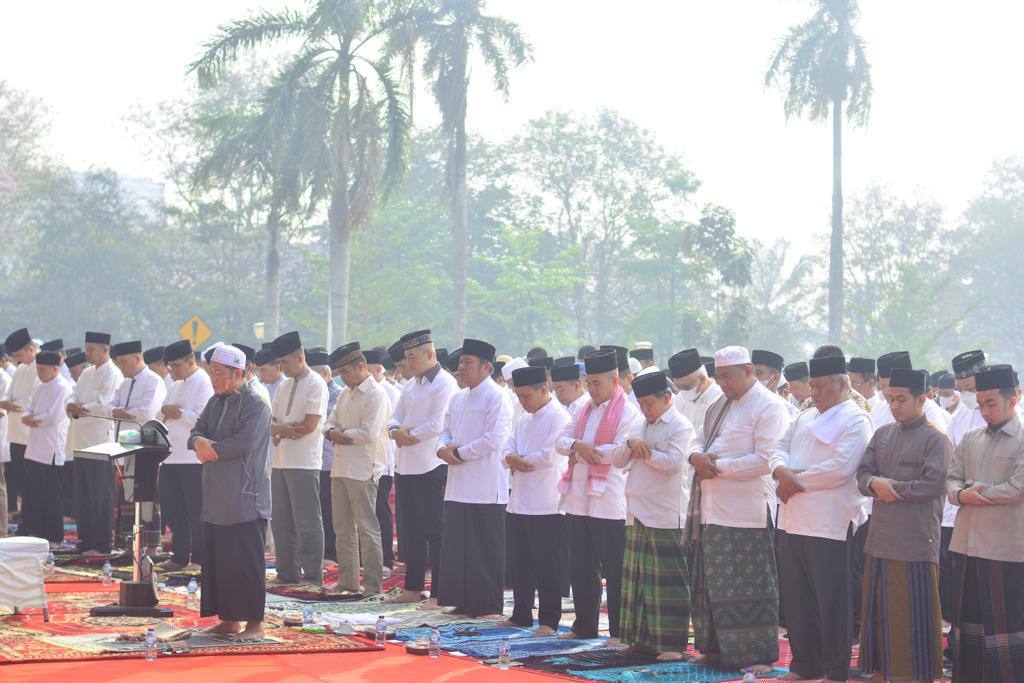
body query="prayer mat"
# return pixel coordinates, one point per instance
(678, 672)
(483, 641)
(310, 592)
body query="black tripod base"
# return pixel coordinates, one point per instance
(136, 599)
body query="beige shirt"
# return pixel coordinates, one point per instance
(992, 532)
(361, 413)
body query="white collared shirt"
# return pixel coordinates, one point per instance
(831, 500)
(653, 486)
(95, 390)
(190, 395)
(611, 504)
(478, 421)
(741, 493)
(361, 413)
(962, 420)
(536, 492)
(575, 406)
(142, 396)
(23, 383)
(421, 410)
(393, 393)
(297, 398)
(48, 403)
(937, 415)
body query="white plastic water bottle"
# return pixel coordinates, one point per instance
(108, 573)
(381, 632)
(748, 677)
(49, 560)
(307, 615)
(151, 645)
(193, 589)
(435, 642)
(504, 654)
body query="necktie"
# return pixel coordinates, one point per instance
(127, 402)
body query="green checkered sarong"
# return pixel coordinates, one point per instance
(655, 596)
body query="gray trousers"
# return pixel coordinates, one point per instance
(354, 512)
(298, 526)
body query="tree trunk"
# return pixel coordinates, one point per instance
(457, 215)
(835, 266)
(339, 251)
(272, 291)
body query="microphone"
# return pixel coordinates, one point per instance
(109, 419)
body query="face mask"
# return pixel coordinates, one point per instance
(969, 399)
(689, 394)
(947, 402)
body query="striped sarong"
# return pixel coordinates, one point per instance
(735, 596)
(989, 619)
(901, 620)
(655, 610)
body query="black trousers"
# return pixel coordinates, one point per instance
(386, 519)
(473, 558)
(181, 506)
(94, 504)
(234, 571)
(327, 516)
(15, 473)
(67, 482)
(815, 577)
(596, 549)
(535, 544)
(42, 502)
(860, 537)
(947, 587)
(420, 521)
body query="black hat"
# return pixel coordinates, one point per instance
(396, 352)
(287, 343)
(642, 354)
(153, 355)
(73, 350)
(604, 360)
(374, 356)
(418, 338)
(125, 348)
(650, 383)
(265, 357)
(97, 338)
(709, 365)
(387, 363)
(542, 362)
(481, 349)
(769, 358)
(796, 372)
(496, 369)
(178, 349)
(250, 353)
(75, 359)
(621, 356)
(208, 353)
(17, 340)
(995, 377)
(563, 361)
(267, 345)
(442, 356)
(946, 381)
(53, 345)
(565, 373)
(199, 356)
(888, 362)
(584, 350)
(822, 367)
(343, 355)
(933, 379)
(915, 380)
(452, 362)
(967, 363)
(529, 376)
(684, 363)
(862, 366)
(47, 358)
(315, 358)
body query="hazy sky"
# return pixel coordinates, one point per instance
(946, 77)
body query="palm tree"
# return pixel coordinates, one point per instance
(824, 63)
(450, 32)
(337, 103)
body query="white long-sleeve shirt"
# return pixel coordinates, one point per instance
(694, 411)
(479, 421)
(393, 393)
(938, 415)
(421, 410)
(611, 504)
(5, 446)
(190, 395)
(962, 420)
(578, 403)
(828, 447)
(48, 403)
(534, 436)
(142, 396)
(740, 495)
(653, 486)
(94, 391)
(23, 383)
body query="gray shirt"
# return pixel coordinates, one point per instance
(236, 487)
(915, 457)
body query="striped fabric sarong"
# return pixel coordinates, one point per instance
(989, 619)
(655, 596)
(735, 596)
(901, 620)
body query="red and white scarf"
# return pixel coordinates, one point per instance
(597, 475)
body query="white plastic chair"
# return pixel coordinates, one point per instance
(22, 583)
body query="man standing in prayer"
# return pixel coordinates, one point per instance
(23, 350)
(230, 439)
(735, 607)
(882, 415)
(297, 413)
(904, 470)
(594, 494)
(568, 387)
(655, 613)
(320, 362)
(645, 356)
(154, 360)
(76, 364)
(986, 479)
(796, 375)
(375, 360)
(535, 528)
(815, 465)
(864, 380)
(268, 369)
(476, 430)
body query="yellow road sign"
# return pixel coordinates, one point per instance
(195, 330)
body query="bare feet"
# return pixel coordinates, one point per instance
(446, 610)
(490, 617)
(405, 597)
(430, 604)
(614, 643)
(507, 624)
(91, 553)
(543, 631)
(226, 627)
(670, 657)
(707, 660)
(253, 629)
(759, 669)
(568, 636)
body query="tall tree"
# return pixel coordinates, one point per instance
(825, 66)
(349, 116)
(451, 32)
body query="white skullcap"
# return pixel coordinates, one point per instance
(647, 371)
(513, 364)
(229, 356)
(634, 366)
(732, 355)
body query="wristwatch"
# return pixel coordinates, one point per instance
(455, 452)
